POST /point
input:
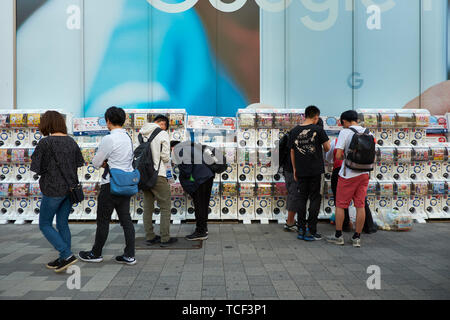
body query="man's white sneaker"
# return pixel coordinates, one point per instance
(338, 241)
(356, 242)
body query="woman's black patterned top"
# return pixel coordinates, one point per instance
(69, 157)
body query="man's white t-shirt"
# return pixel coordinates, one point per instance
(343, 142)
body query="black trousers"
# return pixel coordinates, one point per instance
(368, 224)
(105, 207)
(309, 188)
(201, 199)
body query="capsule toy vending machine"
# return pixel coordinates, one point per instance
(246, 202)
(332, 127)
(90, 173)
(178, 203)
(402, 195)
(264, 126)
(20, 160)
(229, 201)
(418, 134)
(281, 125)
(230, 174)
(214, 202)
(446, 202)
(264, 169)
(328, 204)
(384, 167)
(385, 131)
(177, 124)
(246, 131)
(247, 161)
(5, 131)
(403, 156)
(445, 168)
(437, 194)
(90, 191)
(35, 195)
(419, 159)
(20, 193)
(190, 208)
(139, 208)
(417, 201)
(6, 205)
(33, 121)
(279, 202)
(436, 162)
(405, 121)
(263, 203)
(19, 131)
(383, 204)
(372, 191)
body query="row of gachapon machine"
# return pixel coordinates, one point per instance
(416, 163)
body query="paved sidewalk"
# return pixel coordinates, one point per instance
(237, 262)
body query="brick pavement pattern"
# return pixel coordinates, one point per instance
(238, 262)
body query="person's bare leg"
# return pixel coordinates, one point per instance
(360, 219)
(340, 215)
(291, 218)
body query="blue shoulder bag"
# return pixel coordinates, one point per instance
(123, 183)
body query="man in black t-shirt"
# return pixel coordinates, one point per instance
(306, 142)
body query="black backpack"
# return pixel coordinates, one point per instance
(283, 152)
(219, 161)
(361, 152)
(143, 161)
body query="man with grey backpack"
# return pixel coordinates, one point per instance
(156, 186)
(356, 146)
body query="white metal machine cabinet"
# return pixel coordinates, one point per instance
(420, 158)
(264, 125)
(246, 132)
(178, 203)
(279, 202)
(384, 168)
(383, 203)
(328, 203)
(228, 201)
(246, 202)
(436, 199)
(263, 203)
(402, 195)
(264, 170)
(417, 201)
(247, 160)
(402, 163)
(214, 203)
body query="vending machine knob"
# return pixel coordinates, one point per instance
(88, 210)
(242, 211)
(259, 177)
(429, 209)
(276, 210)
(191, 210)
(37, 210)
(87, 176)
(328, 210)
(380, 142)
(36, 177)
(225, 210)
(412, 210)
(1, 143)
(397, 142)
(19, 177)
(140, 211)
(445, 175)
(276, 177)
(260, 143)
(242, 177)
(413, 176)
(72, 210)
(445, 209)
(18, 143)
(327, 176)
(225, 176)
(259, 211)
(20, 210)
(174, 211)
(4, 210)
(34, 143)
(379, 176)
(429, 175)
(396, 176)
(2, 177)
(414, 142)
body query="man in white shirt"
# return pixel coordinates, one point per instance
(160, 149)
(116, 151)
(352, 185)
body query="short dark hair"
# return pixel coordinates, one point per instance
(52, 122)
(320, 123)
(174, 143)
(311, 112)
(160, 118)
(116, 116)
(349, 116)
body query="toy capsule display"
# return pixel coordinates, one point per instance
(33, 120)
(5, 190)
(420, 154)
(264, 189)
(403, 154)
(246, 190)
(4, 121)
(246, 120)
(368, 120)
(385, 154)
(264, 120)
(282, 120)
(420, 188)
(20, 190)
(18, 120)
(403, 189)
(280, 190)
(176, 120)
(229, 189)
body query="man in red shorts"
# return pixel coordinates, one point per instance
(352, 185)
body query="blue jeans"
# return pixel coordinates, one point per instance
(60, 238)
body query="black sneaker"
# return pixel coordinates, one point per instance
(155, 240)
(53, 264)
(126, 260)
(65, 263)
(88, 256)
(168, 243)
(290, 228)
(317, 236)
(197, 236)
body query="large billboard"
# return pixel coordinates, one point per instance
(212, 57)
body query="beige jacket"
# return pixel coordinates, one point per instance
(158, 153)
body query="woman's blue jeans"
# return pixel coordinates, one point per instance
(61, 237)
